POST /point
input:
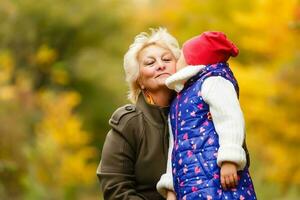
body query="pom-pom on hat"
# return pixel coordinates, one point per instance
(208, 48)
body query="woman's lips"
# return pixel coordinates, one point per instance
(163, 74)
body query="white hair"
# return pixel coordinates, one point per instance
(158, 36)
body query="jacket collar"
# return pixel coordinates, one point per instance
(176, 81)
(155, 114)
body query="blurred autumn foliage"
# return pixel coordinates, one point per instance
(61, 78)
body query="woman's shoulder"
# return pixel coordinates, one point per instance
(124, 116)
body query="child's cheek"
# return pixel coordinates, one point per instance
(180, 63)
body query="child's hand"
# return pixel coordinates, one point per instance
(229, 177)
(171, 195)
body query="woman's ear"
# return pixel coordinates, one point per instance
(139, 82)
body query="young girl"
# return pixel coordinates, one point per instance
(209, 158)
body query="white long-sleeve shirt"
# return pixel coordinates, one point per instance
(220, 95)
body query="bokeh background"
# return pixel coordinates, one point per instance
(61, 78)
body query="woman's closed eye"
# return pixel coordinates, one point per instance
(149, 62)
(167, 59)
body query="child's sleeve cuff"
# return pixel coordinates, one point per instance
(164, 184)
(233, 153)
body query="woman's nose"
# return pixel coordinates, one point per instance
(160, 65)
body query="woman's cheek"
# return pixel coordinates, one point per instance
(150, 72)
(172, 68)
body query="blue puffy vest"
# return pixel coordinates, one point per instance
(196, 174)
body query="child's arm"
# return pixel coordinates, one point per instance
(228, 119)
(165, 183)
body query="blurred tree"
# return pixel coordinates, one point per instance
(59, 158)
(61, 70)
(48, 49)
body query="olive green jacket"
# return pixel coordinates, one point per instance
(134, 154)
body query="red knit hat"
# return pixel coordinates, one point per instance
(208, 48)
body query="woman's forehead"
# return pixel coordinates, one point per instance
(154, 50)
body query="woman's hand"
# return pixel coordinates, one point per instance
(171, 195)
(229, 178)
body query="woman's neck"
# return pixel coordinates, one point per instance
(161, 97)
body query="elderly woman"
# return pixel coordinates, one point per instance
(135, 151)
